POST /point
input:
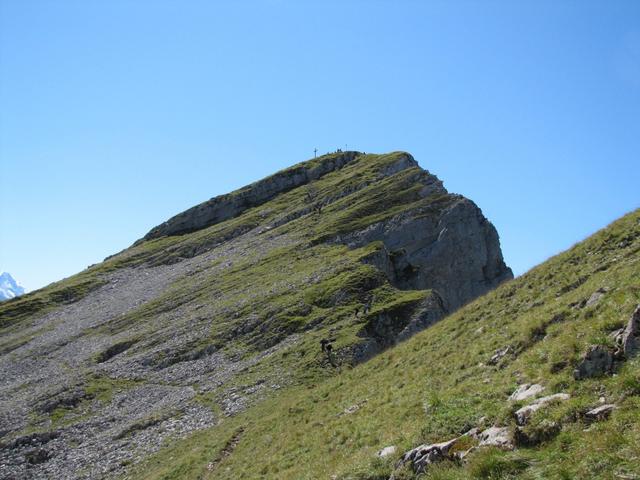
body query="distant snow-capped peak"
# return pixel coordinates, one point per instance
(9, 288)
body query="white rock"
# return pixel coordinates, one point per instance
(495, 436)
(387, 451)
(525, 391)
(424, 455)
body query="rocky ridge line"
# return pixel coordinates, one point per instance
(231, 205)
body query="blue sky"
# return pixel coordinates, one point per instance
(116, 115)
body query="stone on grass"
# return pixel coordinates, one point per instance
(526, 390)
(596, 297)
(497, 356)
(424, 455)
(523, 414)
(387, 451)
(495, 437)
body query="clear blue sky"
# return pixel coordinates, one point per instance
(115, 115)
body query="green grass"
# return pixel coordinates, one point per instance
(438, 384)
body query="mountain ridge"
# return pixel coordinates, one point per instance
(226, 306)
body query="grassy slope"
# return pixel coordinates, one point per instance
(438, 384)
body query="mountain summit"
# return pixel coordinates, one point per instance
(9, 288)
(287, 281)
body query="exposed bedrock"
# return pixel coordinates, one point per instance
(455, 251)
(386, 328)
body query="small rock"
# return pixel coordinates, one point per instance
(597, 361)
(600, 413)
(525, 391)
(501, 352)
(387, 451)
(522, 415)
(596, 297)
(353, 408)
(496, 437)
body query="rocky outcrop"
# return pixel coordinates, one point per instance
(454, 250)
(424, 455)
(630, 337)
(388, 327)
(225, 207)
(597, 361)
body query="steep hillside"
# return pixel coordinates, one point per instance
(225, 305)
(526, 340)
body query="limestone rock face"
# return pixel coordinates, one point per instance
(447, 246)
(225, 207)
(455, 251)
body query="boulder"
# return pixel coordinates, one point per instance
(597, 361)
(522, 415)
(526, 390)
